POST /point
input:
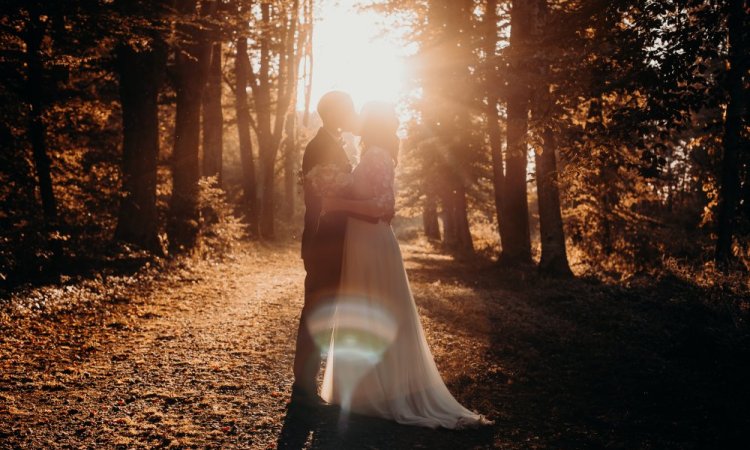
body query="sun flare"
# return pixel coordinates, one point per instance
(353, 55)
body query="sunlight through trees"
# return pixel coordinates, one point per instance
(603, 137)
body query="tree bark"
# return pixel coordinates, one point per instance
(456, 231)
(309, 58)
(554, 260)
(493, 119)
(291, 155)
(271, 123)
(455, 125)
(296, 52)
(213, 119)
(450, 228)
(517, 251)
(192, 60)
(37, 128)
(460, 210)
(430, 218)
(140, 81)
(730, 184)
(266, 148)
(250, 199)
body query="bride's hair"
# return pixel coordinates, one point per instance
(379, 124)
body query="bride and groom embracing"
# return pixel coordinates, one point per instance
(359, 311)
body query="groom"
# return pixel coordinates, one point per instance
(322, 239)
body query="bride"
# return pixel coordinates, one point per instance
(378, 361)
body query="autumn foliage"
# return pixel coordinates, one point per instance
(579, 137)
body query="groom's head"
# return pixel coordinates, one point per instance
(336, 110)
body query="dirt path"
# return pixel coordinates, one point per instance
(202, 361)
(200, 356)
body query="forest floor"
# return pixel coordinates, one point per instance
(198, 354)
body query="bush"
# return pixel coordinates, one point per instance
(219, 230)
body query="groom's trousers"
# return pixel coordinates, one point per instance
(323, 266)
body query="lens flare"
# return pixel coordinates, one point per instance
(353, 332)
(359, 324)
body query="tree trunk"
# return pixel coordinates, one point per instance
(213, 120)
(493, 119)
(430, 218)
(498, 174)
(455, 124)
(463, 233)
(140, 81)
(456, 232)
(730, 184)
(183, 208)
(309, 58)
(242, 63)
(267, 199)
(291, 153)
(266, 150)
(444, 190)
(517, 251)
(192, 60)
(297, 51)
(37, 128)
(450, 233)
(554, 260)
(271, 123)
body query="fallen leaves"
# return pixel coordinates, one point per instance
(202, 358)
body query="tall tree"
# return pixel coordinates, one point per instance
(244, 120)
(308, 58)
(729, 192)
(140, 71)
(33, 37)
(554, 259)
(298, 48)
(270, 117)
(191, 67)
(291, 154)
(492, 119)
(430, 217)
(517, 250)
(447, 55)
(213, 118)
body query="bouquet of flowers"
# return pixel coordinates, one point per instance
(328, 180)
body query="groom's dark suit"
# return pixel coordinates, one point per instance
(322, 248)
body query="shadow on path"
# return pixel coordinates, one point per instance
(584, 364)
(322, 429)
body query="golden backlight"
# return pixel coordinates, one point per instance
(353, 54)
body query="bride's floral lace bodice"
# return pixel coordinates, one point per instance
(374, 178)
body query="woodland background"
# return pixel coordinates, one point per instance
(574, 214)
(606, 136)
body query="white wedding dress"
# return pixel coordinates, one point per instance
(378, 362)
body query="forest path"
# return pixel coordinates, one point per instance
(198, 354)
(203, 359)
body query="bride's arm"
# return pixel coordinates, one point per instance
(376, 186)
(369, 207)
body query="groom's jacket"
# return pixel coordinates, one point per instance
(322, 237)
